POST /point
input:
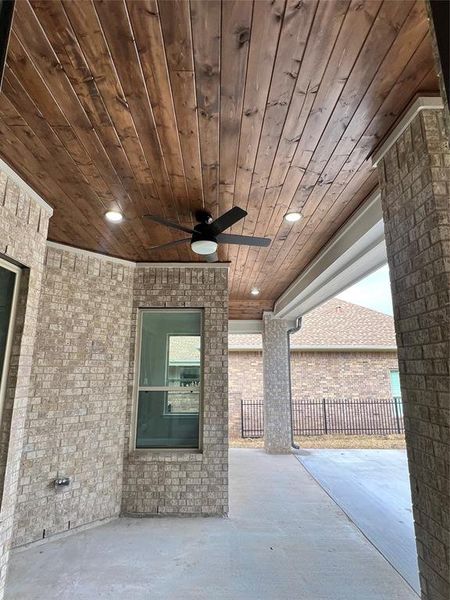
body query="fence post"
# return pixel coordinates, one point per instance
(324, 408)
(397, 415)
(242, 417)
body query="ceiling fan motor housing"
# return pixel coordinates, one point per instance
(203, 240)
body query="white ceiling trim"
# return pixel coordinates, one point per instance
(26, 188)
(90, 254)
(324, 348)
(181, 265)
(419, 104)
(129, 263)
(244, 327)
(355, 251)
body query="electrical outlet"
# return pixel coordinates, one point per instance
(62, 482)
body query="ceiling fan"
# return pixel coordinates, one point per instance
(208, 234)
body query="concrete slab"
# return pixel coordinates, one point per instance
(285, 539)
(372, 487)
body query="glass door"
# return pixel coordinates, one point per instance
(9, 279)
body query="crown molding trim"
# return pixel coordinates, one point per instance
(24, 185)
(136, 265)
(419, 104)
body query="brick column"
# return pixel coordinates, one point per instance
(414, 173)
(277, 386)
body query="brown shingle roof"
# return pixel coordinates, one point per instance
(334, 323)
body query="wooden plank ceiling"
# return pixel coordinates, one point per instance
(165, 107)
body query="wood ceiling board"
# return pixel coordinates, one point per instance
(393, 106)
(167, 106)
(322, 224)
(176, 29)
(37, 84)
(266, 27)
(206, 35)
(235, 42)
(308, 191)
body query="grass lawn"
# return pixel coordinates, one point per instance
(332, 441)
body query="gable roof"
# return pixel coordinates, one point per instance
(336, 324)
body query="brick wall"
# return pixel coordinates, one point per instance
(314, 375)
(80, 411)
(245, 381)
(415, 189)
(75, 422)
(339, 375)
(184, 482)
(23, 233)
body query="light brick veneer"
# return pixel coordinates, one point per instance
(415, 187)
(245, 382)
(75, 422)
(277, 394)
(185, 482)
(23, 233)
(80, 411)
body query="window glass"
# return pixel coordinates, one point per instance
(169, 379)
(396, 391)
(395, 384)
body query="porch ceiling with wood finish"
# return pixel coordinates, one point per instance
(165, 107)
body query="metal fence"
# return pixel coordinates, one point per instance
(252, 419)
(325, 416)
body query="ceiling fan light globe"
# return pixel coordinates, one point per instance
(204, 247)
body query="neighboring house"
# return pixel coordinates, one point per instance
(342, 351)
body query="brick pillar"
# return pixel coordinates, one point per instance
(414, 177)
(277, 386)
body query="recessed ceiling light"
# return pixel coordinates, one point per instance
(114, 216)
(254, 291)
(292, 217)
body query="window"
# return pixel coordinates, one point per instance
(169, 378)
(396, 390)
(9, 282)
(395, 384)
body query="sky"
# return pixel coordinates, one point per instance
(374, 291)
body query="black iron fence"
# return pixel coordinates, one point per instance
(325, 416)
(252, 419)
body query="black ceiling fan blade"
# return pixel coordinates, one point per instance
(212, 257)
(167, 223)
(170, 244)
(228, 219)
(244, 240)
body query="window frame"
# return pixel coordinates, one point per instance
(138, 388)
(9, 266)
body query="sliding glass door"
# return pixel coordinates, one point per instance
(9, 279)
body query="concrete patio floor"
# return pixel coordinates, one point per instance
(285, 538)
(373, 489)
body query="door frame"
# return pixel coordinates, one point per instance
(11, 326)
